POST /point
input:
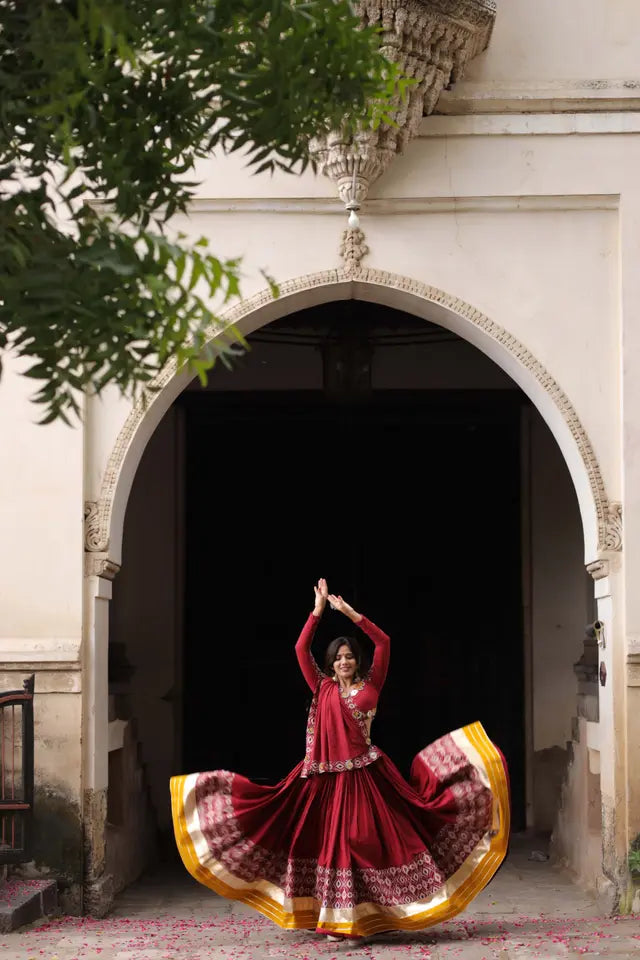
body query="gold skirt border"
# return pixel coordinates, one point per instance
(366, 918)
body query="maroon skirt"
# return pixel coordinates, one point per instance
(357, 852)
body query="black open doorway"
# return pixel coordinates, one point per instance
(410, 505)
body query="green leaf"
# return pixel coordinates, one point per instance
(126, 95)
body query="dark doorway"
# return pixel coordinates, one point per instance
(409, 505)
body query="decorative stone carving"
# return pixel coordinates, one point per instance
(432, 41)
(612, 534)
(352, 249)
(608, 514)
(96, 538)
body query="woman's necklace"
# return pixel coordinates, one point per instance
(351, 692)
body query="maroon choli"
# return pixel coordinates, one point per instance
(338, 737)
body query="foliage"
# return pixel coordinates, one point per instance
(117, 100)
(634, 857)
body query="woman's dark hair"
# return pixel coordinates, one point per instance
(332, 653)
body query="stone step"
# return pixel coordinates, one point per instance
(23, 901)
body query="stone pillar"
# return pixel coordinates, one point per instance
(630, 397)
(609, 592)
(98, 885)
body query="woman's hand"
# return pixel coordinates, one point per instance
(322, 592)
(337, 603)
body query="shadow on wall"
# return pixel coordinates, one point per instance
(131, 839)
(549, 771)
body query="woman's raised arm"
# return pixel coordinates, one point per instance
(310, 669)
(378, 672)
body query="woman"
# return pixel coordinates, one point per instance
(344, 845)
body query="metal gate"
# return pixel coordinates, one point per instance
(16, 773)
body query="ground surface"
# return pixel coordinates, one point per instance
(530, 910)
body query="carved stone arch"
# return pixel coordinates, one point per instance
(601, 518)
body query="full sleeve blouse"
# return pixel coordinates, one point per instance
(338, 727)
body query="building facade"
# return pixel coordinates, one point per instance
(501, 247)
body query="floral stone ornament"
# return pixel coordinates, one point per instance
(352, 249)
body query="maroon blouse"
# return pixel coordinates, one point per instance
(338, 727)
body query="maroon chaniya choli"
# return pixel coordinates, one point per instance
(344, 844)
(338, 736)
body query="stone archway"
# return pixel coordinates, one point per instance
(601, 518)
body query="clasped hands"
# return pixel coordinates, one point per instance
(336, 602)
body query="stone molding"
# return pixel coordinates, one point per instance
(609, 514)
(47, 655)
(432, 41)
(533, 96)
(410, 205)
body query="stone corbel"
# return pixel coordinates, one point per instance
(432, 41)
(598, 569)
(99, 565)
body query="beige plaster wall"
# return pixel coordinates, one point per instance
(41, 482)
(575, 39)
(41, 556)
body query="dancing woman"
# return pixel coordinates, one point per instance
(344, 845)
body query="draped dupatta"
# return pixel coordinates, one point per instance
(338, 727)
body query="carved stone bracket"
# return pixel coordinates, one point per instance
(352, 250)
(432, 41)
(599, 569)
(99, 565)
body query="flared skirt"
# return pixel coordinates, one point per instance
(352, 853)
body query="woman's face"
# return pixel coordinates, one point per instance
(345, 664)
